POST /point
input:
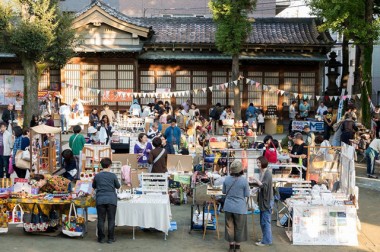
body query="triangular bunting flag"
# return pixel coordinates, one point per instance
(300, 96)
(195, 91)
(187, 92)
(317, 97)
(305, 97)
(295, 95)
(331, 97)
(98, 91)
(253, 82)
(336, 97)
(359, 95)
(282, 92)
(344, 97)
(235, 82)
(226, 85)
(257, 84)
(204, 90)
(221, 87)
(63, 84)
(248, 81)
(210, 88)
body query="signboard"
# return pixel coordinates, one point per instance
(10, 87)
(314, 126)
(117, 95)
(163, 93)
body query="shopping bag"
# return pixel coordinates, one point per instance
(10, 166)
(3, 221)
(26, 154)
(35, 222)
(73, 226)
(17, 215)
(21, 163)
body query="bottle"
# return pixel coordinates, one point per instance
(300, 161)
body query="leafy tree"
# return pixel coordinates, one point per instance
(233, 27)
(41, 37)
(355, 20)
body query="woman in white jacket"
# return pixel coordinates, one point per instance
(5, 149)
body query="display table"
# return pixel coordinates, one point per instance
(146, 211)
(324, 225)
(270, 126)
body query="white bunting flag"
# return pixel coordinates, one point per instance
(248, 81)
(317, 97)
(282, 92)
(195, 91)
(210, 88)
(295, 95)
(331, 97)
(98, 91)
(359, 95)
(226, 85)
(336, 97)
(204, 90)
(124, 95)
(235, 82)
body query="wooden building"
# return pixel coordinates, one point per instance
(145, 54)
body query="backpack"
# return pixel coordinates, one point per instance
(214, 114)
(271, 154)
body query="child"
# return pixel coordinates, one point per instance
(105, 183)
(260, 120)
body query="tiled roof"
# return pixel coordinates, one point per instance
(280, 31)
(113, 12)
(194, 30)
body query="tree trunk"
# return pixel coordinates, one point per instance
(345, 64)
(30, 90)
(366, 69)
(235, 76)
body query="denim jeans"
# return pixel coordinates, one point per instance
(266, 226)
(4, 163)
(103, 211)
(327, 129)
(64, 123)
(371, 156)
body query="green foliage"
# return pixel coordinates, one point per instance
(233, 24)
(36, 30)
(346, 17)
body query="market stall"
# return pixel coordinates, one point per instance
(326, 213)
(45, 149)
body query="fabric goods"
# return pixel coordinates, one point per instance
(73, 225)
(35, 222)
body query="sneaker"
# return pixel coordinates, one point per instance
(101, 241)
(373, 176)
(260, 244)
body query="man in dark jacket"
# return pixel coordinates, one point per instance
(8, 115)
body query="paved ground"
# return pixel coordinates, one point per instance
(17, 240)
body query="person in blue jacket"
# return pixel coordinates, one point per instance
(251, 114)
(173, 133)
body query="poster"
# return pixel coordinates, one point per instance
(10, 87)
(117, 95)
(314, 126)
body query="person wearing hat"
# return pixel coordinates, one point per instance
(265, 200)
(94, 135)
(236, 189)
(310, 137)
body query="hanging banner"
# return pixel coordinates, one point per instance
(117, 95)
(10, 87)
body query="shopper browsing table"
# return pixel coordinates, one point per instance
(372, 153)
(158, 157)
(265, 201)
(105, 183)
(236, 189)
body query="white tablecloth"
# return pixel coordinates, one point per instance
(147, 211)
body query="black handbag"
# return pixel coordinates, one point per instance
(35, 222)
